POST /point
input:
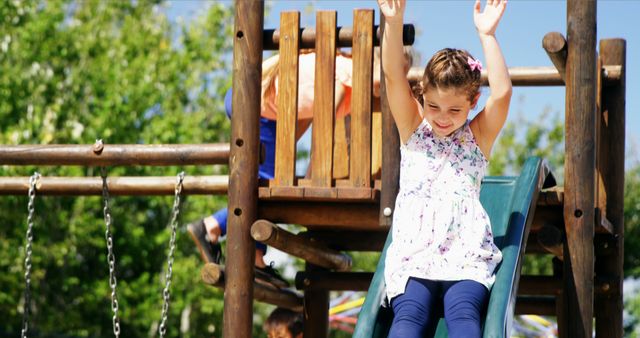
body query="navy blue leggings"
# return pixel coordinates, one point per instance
(418, 309)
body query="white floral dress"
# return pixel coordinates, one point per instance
(440, 229)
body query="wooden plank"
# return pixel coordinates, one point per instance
(324, 100)
(545, 305)
(325, 215)
(376, 144)
(243, 168)
(580, 167)
(341, 136)
(333, 281)
(360, 157)
(613, 53)
(345, 240)
(390, 157)
(285, 162)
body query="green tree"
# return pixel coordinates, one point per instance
(75, 71)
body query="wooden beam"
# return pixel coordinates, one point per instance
(243, 168)
(531, 76)
(213, 274)
(333, 281)
(612, 144)
(115, 154)
(536, 305)
(299, 246)
(346, 240)
(344, 37)
(556, 47)
(579, 162)
(118, 186)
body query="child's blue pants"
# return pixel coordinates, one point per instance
(418, 309)
(266, 168)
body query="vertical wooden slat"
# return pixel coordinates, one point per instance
(324, 98)
(360, 157)
(285, 163)
(390, 154)
(609, 314)
(243, 168)
(580, 166)
(341, 134)
(376, 143)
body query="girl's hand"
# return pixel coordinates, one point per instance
(487, 21)
(393, 10)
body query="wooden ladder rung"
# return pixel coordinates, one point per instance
(300, 246)
(213, 274)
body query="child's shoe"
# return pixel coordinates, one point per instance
(271, 276)
(210, 252)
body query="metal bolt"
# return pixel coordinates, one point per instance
(98, 147)
(387, 211)
(606, 287)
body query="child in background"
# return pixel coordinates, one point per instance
(284, 323)
(206, 232)
(442, 257)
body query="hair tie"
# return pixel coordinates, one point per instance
(474, 64)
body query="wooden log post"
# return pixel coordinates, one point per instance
(299, 246)
(390, 154)
(611, 170)
(316, 310)
(580, 168)
(556, 47)
(243, 168)
(213, 274)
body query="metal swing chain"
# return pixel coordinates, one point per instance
(172, 246)
(27, 259)
(111, 258)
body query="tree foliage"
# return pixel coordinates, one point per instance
(72, 72)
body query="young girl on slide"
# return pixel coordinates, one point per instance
(442, 257)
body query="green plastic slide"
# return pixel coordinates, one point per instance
(510, 203)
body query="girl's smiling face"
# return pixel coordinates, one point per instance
(446, 110)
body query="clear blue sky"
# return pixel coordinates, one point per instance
(450, 24)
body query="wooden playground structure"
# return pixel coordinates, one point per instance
(347, 200)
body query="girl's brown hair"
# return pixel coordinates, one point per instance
(449, 68)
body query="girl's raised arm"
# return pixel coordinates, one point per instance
(487, 124)
(404, 108)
